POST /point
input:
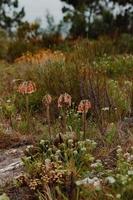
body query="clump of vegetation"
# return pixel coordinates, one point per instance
(58, 165)
(68, 168)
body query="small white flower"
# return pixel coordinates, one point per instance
(118, 196)
(91, 158)
(98, 161)
(50, 149)
(42, 142)
(88, 181)
(83, 149)
(130, 158)
(8, 101)
(119, 150)
(130, 172)
(88, 140)
(75, 152)
(47, 160)
(94, 143)
(105, 109)
(70, 141)
(29, 147)
(94, 165)
(110, 179)
(58, 152)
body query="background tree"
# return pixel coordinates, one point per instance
(10, 16)
(95, 17)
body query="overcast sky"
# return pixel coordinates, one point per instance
(38, 9)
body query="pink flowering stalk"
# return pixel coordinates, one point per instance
(47, 99)
(64, 102)
(83, 108)
(26, 88)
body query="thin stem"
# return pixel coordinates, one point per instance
(78, 194)
(65, 121)
(84, 124)
(27, 111)
(48, 120)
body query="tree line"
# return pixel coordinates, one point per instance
(85, 18)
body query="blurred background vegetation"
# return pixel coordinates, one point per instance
(90, 19)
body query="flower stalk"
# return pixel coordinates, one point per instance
(83, 108)
(26, 88)
(47, 99)
(64, 102)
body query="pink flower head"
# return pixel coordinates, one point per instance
(47, 99)
(84, 106)
(64, 100)
(27, 87)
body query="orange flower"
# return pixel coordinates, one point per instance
(27, 87)
(84, 106)
(41, 57)
(64, 100)
(47, 99)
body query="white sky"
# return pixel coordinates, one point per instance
(38, 9)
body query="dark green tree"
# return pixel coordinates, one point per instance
(95, 17)
(10, 15)
(76, 14)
